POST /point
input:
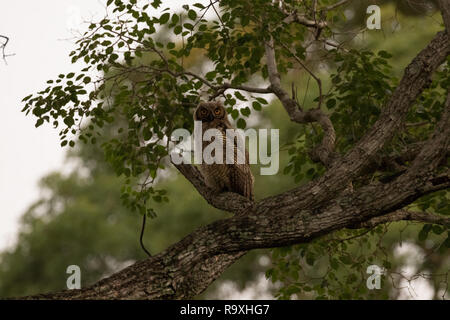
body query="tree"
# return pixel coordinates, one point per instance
(3, 44)
(379, 148)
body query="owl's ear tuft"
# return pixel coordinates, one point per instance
(218, 104)
(202, 104)
(209, 104)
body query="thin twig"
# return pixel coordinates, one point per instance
(3, 46)
(319, 82)
(334, 6)
(218, 16)
(141, 238)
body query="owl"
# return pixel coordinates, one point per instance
(224, 177)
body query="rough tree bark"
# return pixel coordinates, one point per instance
(322, 206)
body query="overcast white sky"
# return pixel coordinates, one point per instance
(40, 33)
(36, 30)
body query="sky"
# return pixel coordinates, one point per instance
(41, 37)
(38, 32)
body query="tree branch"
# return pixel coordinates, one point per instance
(336, 5)
(444, 6)
(299, 61)
(301, 19)
(405, 215)
(324, 151)
(416, 77)
(227, 201)
(397, 161)
(200, 257)
(437, 182)
(3, 47)
(435, 149)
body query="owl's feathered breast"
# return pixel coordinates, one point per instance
(235, 177)
(221, 177)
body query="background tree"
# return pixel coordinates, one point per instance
(369, 149)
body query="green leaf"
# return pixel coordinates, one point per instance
(192, 14)
(346, 259)
(334, 264)
(423, 234)
(241, 124)
(69, 121)
(240, 96)
(384, 54)
(39, 122)
(199, 5)
(245, 111)
(331, 103)
(188, 26)
(261, 100)
(245, 19)
(257, 106)
(310, 259)
(177, 29)
(438, 229)
(447, 241)
(164, 18)
(175, 19)
(155, 4)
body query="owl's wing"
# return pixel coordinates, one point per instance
(240, 175)
(241, 180)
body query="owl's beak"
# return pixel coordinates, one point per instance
(209, 118)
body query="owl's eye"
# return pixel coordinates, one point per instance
(203, 112)
(217, 111)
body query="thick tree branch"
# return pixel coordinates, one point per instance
(227, 201)
(437, 182)
(222, 88)
(324, 152)
(436, 148)
(416, 77)
(397, 161)
(189, 266)
(405, 215)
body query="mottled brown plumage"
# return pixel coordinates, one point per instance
(223, 177)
